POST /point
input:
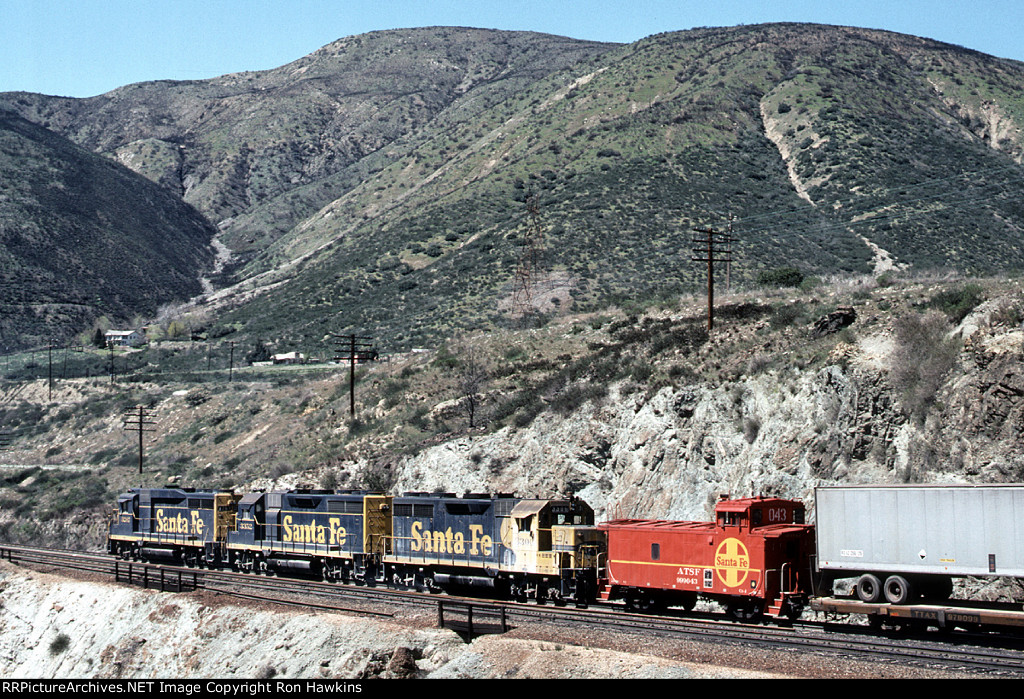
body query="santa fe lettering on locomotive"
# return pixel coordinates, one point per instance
(313, 533)
(450, 542)
(179, 523)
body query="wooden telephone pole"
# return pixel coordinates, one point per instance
(354, 348)
(139, 422)
(712, 246)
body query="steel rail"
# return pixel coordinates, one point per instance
(949, 651)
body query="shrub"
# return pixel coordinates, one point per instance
(59, 644)
(781, 277)
(924, 354)
(957, 303)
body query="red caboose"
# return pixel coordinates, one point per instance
(754, 558)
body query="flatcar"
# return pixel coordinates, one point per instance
(755, 558)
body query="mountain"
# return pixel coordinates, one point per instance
(257, 152)
(380, 184)
(82, 236)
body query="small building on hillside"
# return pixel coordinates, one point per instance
(125, 338)
(289, 358)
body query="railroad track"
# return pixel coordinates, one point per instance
(979, 653)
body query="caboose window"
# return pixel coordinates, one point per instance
(655, 551)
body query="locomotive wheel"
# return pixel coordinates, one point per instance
(898, 590)
(869, 588)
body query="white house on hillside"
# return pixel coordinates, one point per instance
(125, 338)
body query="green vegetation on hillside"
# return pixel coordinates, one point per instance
(380, 183)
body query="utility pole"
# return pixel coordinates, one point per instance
(139, 422)
(353, 348)
(110, 344)
(728, 262)
(49, 361)
(711, 246)
(231, 362)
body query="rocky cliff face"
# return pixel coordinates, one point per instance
(641, 416)
(775, 430)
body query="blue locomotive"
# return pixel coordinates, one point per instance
(338, 536)
(172, 525)
(529, 549)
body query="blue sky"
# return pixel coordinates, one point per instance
(82, 48)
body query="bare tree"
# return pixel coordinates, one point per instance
(471, 376)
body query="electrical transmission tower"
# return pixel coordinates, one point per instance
(712, 246)
(138, 420)
(531, 258)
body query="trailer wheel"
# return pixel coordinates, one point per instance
(898, 590)
(869, 588)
